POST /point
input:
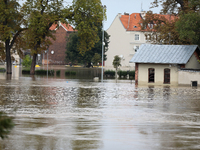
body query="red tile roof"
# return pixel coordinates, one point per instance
(66, 27)
(132, 22)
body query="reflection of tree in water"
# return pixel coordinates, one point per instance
(166, 96)
(150, 96)
(87, 126)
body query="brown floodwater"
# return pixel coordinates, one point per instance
(61, 113)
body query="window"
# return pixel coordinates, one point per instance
(137, 37)
(167, 75)
(151, 74)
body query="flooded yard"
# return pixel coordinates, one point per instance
(79, 114)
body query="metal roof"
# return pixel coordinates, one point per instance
(164, 54)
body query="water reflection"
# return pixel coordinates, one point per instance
(81, 114)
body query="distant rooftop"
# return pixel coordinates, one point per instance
(164, 54)
(67, 27)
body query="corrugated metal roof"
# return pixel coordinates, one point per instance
(164, 54)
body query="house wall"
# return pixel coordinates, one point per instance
(185, 77)
(59, 48)
(193, 63)
(159, 74)
(122, 42)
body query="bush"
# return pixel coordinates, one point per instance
(58, 72)
(39, 72)
(26, 71)
(2, 70)
(122, 73)
(109, 73)
(70, 73)
(44, 72)
(132, 75)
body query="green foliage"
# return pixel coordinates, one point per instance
(70, 73)
(58, 72)
(116, 62)
(6, 124)
(87, 16)
(39, 72)
(26, 71)
(26, 61)
(122, 74)
(188, 27)
(2, 70)
(109, 73)
(74, 56)
(96, 59)
(131, 75)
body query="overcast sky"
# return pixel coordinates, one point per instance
(120, 6)
(130, 6)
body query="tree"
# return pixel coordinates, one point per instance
(165, 26)
(42, 14)
(96, 59)
(116, 63)
(11, 27)
(73, 54)
(26, 61)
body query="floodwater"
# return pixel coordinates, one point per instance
(80, 114)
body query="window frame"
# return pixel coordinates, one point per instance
(167, 76)
(137, 37)
(149, 75)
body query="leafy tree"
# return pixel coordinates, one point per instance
(42, 14)
(116, 63)
(96, 59)
(11, 27)
(73, 55)
(27, 61)
(6, 124)
(164, 26)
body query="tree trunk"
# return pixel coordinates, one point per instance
(32, 71)
(8, 58)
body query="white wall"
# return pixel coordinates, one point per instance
(159, 74)
(122, 42)
(185, 77)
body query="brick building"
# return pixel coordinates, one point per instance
(56, 53)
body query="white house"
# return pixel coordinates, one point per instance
(166, 64)
(126, 37)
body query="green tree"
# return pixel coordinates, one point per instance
(96, 59)
(116, 64)
(11, 27)
(73, 55)
(41, 14)
(165, 26)
(26, 61)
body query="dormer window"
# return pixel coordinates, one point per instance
(134, 26)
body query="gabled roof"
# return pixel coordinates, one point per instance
(132, 22)
(66, 27)
(164, 54)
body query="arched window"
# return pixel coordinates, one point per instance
(151, 74)
(166, 75)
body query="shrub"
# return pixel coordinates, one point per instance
(122, 73)
(26, 71)
(132, 75)
(2, 70)
(109, 73)
(70, 73)
(58, 72)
